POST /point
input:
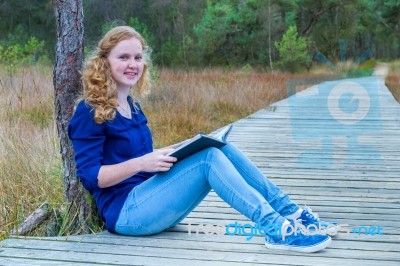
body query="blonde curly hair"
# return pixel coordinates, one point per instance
(99, 88)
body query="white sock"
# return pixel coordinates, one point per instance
(295, 216)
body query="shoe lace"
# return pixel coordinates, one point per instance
(309, 210)
(300, 229)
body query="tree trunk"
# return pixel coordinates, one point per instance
(269, 36)
(67, 85)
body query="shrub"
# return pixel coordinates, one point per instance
(18, 54)
(293, 52)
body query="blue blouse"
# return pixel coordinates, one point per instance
(108, 143)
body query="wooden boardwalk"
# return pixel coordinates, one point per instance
(337, 155)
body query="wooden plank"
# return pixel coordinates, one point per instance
(40, 262)
(339, 192)
(321, 211)
(321, 205)
(194, 250)
(300, 197)
(205, 218)
(386, 238)
(339, 183)
(325, 176)
(143, 257)
(386, 219)
(340, 242)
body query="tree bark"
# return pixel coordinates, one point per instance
(67, 85)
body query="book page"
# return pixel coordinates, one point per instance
(223, 133)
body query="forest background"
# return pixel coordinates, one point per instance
(224, 33)
(214, 62)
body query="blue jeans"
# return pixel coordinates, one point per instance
(168, 197)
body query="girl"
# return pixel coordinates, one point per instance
(139, 191)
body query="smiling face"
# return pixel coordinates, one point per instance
(126, 63)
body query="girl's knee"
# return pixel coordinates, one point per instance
(213, 150)
(213, 153)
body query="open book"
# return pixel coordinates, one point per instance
(201, 142)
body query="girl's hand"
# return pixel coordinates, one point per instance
(157, 161)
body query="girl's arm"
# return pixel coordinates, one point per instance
(156, 161)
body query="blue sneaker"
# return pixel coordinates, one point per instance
(296, 240)
(312, 222)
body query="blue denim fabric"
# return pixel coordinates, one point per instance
(168, 197)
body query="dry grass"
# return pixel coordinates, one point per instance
(393, 80)
(182, 103)
(30, 163)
